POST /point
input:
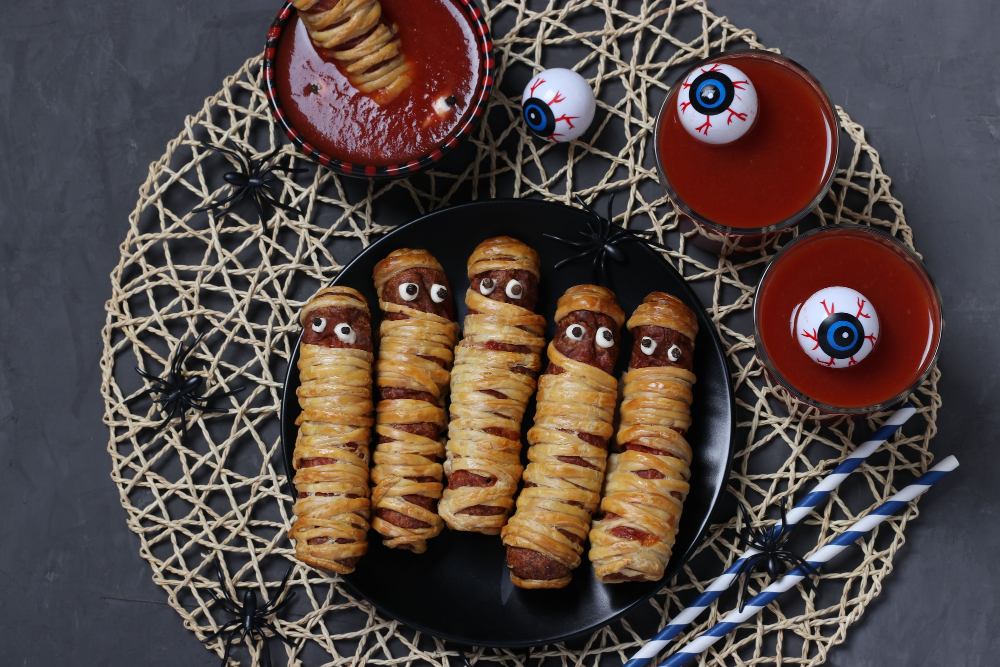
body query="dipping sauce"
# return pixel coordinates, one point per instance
(875, 265)
(340, 120)
(771, 174)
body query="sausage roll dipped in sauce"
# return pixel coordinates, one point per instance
(356, 36)
(647, 480)
(494, 376)
(331, 450)
(417, 336)
(568, 443)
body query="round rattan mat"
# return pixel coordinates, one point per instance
(222, 493)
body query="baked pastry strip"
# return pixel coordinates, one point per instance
(364, 46)
(647, 481)
(493, 378)
(417, 338)
(568, 443)
(331, 449)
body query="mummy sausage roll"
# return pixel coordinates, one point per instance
(568, 443)
(415, 352)
(331, 450)
(648, 481)
(494, 376)
(357, 37)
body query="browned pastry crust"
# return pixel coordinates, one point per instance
(493, 378)
(568, 443)
(363, 44)
(331, 449)
(647, 481)
(415, 352)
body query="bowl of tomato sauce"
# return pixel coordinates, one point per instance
(739, 196)
(884, 291)
(322, 94)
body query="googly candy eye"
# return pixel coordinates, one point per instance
(837, 327)
(514, 289)
(319, 324)
(605, 338)
(576, 331)
(717, 104)
(647, 345)
(487, 285)
(674, 353)
(558, 105)
(439, 293)
(346, 333)
(409, 291)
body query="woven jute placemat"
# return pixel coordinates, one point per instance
(222, 494)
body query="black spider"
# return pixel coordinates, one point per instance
(771, 543)
(602, 240)
(253, 178)
(250, 618)
(176, 392)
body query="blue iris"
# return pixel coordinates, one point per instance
(719, 96)
(831, 335)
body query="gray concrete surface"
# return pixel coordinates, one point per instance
(90, 92)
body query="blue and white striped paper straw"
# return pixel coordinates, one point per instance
(788, 581)
(798, 513)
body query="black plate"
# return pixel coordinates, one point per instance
(459, 589)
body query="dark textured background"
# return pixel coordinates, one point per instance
(90, 92)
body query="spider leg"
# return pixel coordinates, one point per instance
(611, 201)
(272, 604)
(287, 170)
(604, 270)
(576, 244)
(265, 652)
(562, 263)
(225, 628)
(184, 353)
(224, 602)
(745, 591)
(274, 202)
(222, 585)
(215, 204)
(260, 209)
(226, 209)
(229, 646)
(274, 631)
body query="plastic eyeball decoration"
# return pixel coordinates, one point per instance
(717, 104)
(558, 105)
(837, 327)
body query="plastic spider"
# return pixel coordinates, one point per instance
(603, 240)
(253, 178)
(771, 543)
(251, 620)
(177, 393)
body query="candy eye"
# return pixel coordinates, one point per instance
(837, 327)
(558, 105)
(647, 345)
(486, 286)
(674, 353)
(605, 338)
(319, 324)
(575, 331)
(514, 289)
(409, 291)
(439, 293)
(717, 104)
(346, 333)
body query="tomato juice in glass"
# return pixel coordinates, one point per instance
(883, 270)
(740, 195)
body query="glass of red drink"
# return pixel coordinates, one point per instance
(874, 264)
(740, 196)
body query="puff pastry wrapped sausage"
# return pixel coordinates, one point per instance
(647, 481)
(417, 338)
(331, 449)
(494, 376)
(568, 443)
(356, 36)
